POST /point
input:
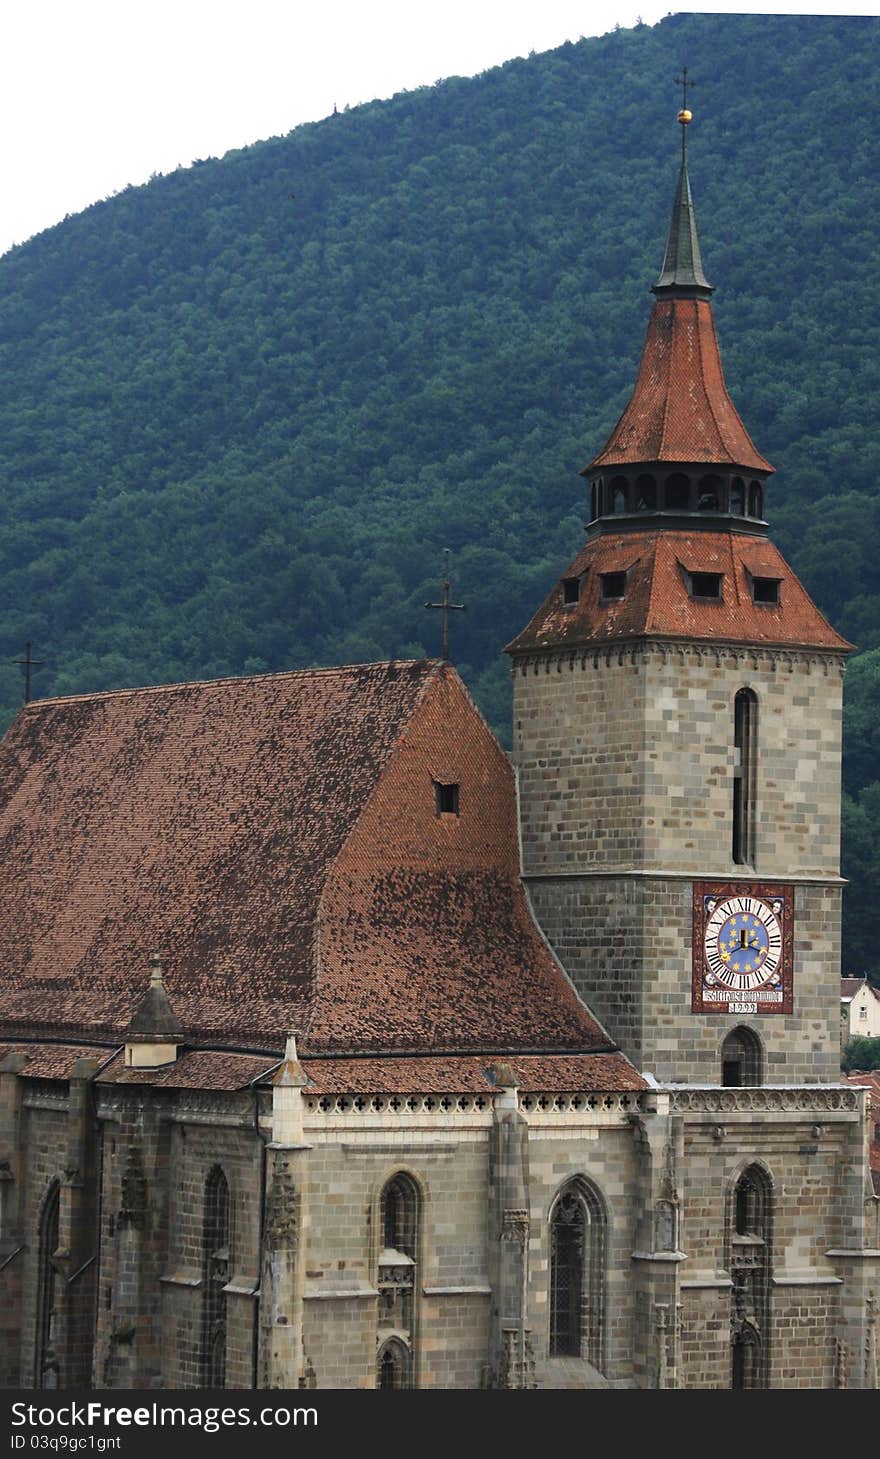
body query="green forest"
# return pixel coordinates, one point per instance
(246, 406)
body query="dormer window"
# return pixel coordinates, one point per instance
(766, 590)
(571, 591)
(705, 585)
(613, 586)
(446, 798)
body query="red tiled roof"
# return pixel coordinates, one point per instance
(568, 1073)
(680, 409)
(850, 986)
(194, 1069)
(54, 1061)
(276, 839)
(657, 602)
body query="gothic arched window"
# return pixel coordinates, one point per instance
(215, 1268)
(738, 496)
(745, 745)
(755, 503)
(48, 1291)
(750, 1225)
(577, 1273)
(399, 1221)
(742, 1061)
(393, 1366)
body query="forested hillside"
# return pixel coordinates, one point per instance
(245, 407)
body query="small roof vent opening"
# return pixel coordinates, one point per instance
(446, 798)
(705, 585)
(766, 590)
(613, 586)
(571, 591)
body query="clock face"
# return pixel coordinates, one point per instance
(743, 944)
(742, 948)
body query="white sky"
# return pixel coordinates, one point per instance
(95, 94)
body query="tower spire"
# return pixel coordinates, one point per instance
(682, 269)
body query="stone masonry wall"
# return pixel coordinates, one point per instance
(598, 836)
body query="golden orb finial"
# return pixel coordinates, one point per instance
(685, 116)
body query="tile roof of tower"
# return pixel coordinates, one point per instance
(657, 601)
(680, 410)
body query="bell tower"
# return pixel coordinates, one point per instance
(677, 734)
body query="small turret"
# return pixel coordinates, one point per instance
(154, 1034)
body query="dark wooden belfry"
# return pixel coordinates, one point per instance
(447, 606)
(679, 456)
(27, 664)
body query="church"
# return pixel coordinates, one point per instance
(338, 1049)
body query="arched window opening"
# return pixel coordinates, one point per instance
(746, 1358)
(755, 499)
(393, 1367)
(577, 1273)
(397, 1280)
(618, 494)
(709, 494)
(646, 494)
(216, 1266)
(48, 1293)
(745, 748)
(741, 1059)
(738, 496)
(751, 1271)
(594, 502)
(678, 492)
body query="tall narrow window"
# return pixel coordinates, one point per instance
(751, 1271)
(48, 1292)
(215, 1278)
(745, 744)
(577, 1273)
(741, 1059)
(399, 1211)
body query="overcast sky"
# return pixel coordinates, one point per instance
(96, 94)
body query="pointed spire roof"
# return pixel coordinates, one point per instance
(154, 1018)
(680, 410)
(682, 265)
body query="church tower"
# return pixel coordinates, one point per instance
(677, 734)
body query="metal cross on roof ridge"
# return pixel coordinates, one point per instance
(446, 607)
(28, 663)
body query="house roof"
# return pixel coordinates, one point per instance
(277, 840)
(849, 987)
(657, 601)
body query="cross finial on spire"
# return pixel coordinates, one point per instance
(446, 606)
(685, 85)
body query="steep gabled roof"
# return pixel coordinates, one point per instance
(279, 840)
(657, 602)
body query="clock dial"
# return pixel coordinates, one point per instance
(743, 944)
(742, 948)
